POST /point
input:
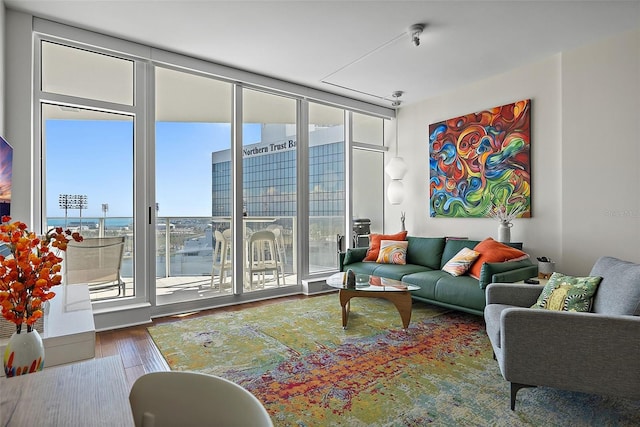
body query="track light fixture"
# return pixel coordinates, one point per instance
(396, 98)
(414, 31)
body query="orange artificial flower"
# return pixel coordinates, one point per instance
(27, 275)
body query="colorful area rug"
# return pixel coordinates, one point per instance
(308, 371)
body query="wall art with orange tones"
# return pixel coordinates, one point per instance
(481, 161)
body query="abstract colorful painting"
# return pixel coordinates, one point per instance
(6, 169)
(481, 160)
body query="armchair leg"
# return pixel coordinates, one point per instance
(515, 387)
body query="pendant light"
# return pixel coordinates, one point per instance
(396, 168)
(395, 192)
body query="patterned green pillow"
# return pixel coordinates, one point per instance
(568, 293)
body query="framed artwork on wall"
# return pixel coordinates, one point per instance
(6, 170)
(481, 161)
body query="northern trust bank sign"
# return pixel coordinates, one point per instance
(255, 150)
(281, 143)
(267, 148)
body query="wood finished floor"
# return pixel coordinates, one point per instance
(137, 350)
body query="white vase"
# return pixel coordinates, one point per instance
(504, 232)
(23, 354)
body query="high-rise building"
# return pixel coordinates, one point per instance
(270, 174)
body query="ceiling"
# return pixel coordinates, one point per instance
(360, 49)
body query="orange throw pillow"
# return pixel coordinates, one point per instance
(374, 243)
(492, 251)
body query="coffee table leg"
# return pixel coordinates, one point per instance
(345, 298)
(402, 301)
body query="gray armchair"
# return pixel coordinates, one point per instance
(596, 352)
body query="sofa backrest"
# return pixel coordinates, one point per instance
(426, 251)
(453, 246)
(619, 291)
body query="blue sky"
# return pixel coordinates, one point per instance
(95, 158)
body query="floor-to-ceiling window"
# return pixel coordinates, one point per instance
(150, 150)
(269, 189)
(326, 186)
(368, 156)
(192, 133)
(87, 150)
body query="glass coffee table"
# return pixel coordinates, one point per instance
(369, 286)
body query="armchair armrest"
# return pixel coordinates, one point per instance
(516, 294)
(585, 352)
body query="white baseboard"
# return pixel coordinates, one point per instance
(316, 286)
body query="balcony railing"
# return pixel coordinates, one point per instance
(185, 245)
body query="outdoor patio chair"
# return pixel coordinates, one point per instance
(95, 261)
(221, 258)
(280, 246)
(262, 256)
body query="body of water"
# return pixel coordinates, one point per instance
(90, 222)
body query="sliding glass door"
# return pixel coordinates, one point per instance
(192, 187)
(269, 190)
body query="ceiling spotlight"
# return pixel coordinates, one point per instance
(414, 31)
(396, 98)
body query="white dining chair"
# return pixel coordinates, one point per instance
(221, 259)
(262, 257)
(180, 398)
(280, 249)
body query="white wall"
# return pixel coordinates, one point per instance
(566, 156)
(18, 112)
(601, 151)
(540, 83)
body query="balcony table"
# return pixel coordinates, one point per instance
(88, 393)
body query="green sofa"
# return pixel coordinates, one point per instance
(425, 258)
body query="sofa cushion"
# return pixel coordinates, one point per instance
(392, 252)
(453, 246)
(462, 291)
(568, 293)
(374, 243)
(396, 271)
(492, 251)
(426, 280)
(354, 255)
(425, 251)
(362, 267)
(619, 290)
(461, 262)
